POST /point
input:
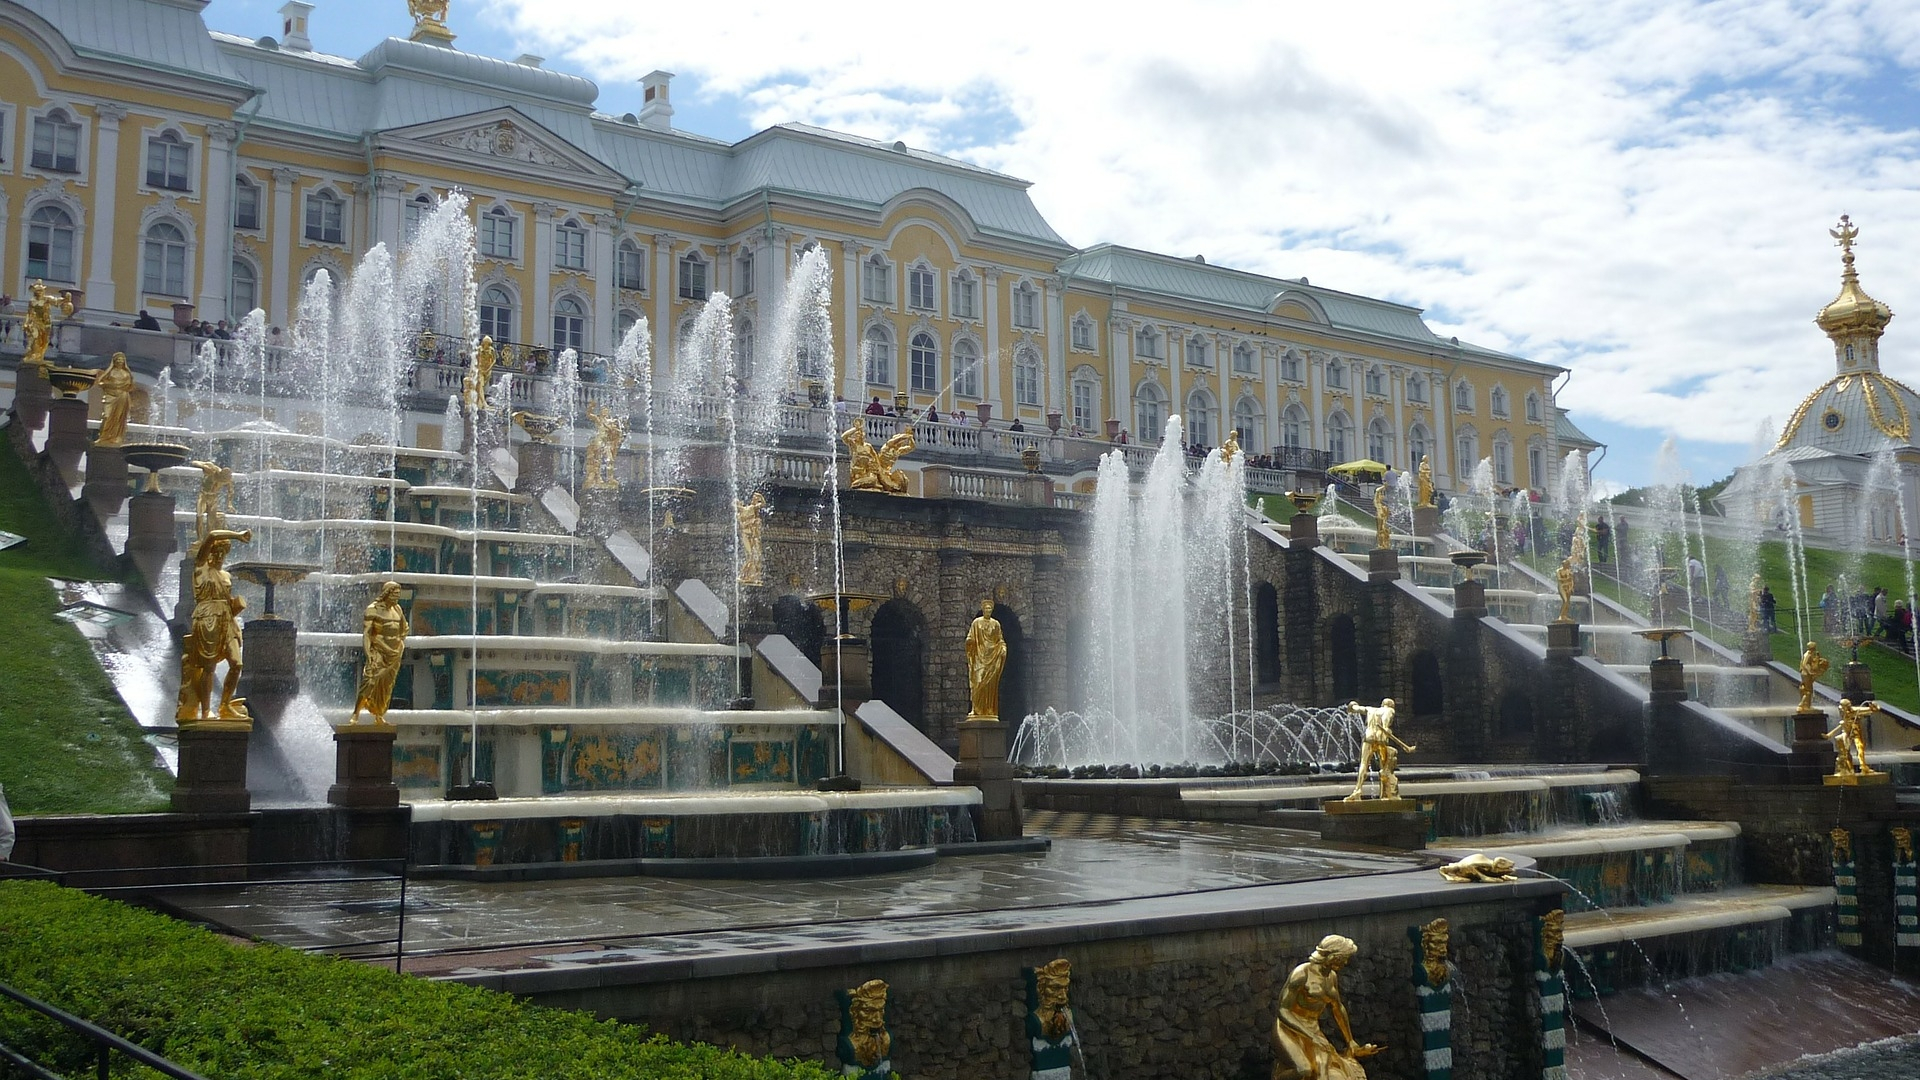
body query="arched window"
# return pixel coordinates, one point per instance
(1339, 437)
(966, 295)
(326, 217)
(1336, 374)
(879, 350)
(1026, 376)
(1149, 412)
(743, 352)
(50, 244)
(570, 245)
(876, 280)
(1086, 393)
(1416, 388)
(743, 274)
(623, 324)
(1082, 331)
(629, 266)
(1497, 401)
(243, 290)
(1463, 397)
(167, 162)
(693, 276)
(1146, 343)
(497, 228)
(163, 266)
(246, 203)
(1502, 460)
(56, 142)
(1249, 423)
(1199, 352)
(1201, 427)
(921, 288)
(419, 209)
(1026, 307)
(1246, 359)
(496, 313)
(1466, 451)
(1533, 408)
(1296, 429)
(966, 368)
(569, 325)
(923, 363)
(1380, 441)
(1418, 443)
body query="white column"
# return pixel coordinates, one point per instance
(384, 220)
(991, 277)
(1176, 364)
(541, 221)
(1119, 369)
(1439, 395)
(285, 224)
(854, 379)
(1317, 399)
(1397, 377)
(606, 298)
(216, 244)
(663, 289)
(106, 184)
(1054, 393)
(1270, 375)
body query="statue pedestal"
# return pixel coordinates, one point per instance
(150, 533)
(846, 672)
(1755, 649)
(983, 764)
(268, 677)
(1813, 754)
(31, 394)
(1303, 530)
(1426, 521)
(536, 467)
(106, 488)
(1469, 599)
(363, 766)
(213, 768)
(599, 512)
(1667, 676)
(67, 435)
(1383, 564)
(1563, 638)
(1389, 823)
(1856, 682)
(1875, 779)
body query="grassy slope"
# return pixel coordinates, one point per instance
(67, 744)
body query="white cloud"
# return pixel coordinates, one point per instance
(1639, 190)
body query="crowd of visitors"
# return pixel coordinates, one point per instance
(1868, 614)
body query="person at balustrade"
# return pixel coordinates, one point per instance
(144, 321)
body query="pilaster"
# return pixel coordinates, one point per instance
(854, 377)
(606, 298)
(991, 278)
(544, 215)
(106, 183)
(1055, 393)
(282, 287)
(216, 248)
(664, 288)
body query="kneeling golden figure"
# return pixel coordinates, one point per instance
(1301, 1050)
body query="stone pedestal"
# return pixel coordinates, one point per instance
(106, 488)
(363, 766)
(1877, 779)
(1813, 754)
(67, 435)
(1389, 823)
(1755, 648)
(1469, 599)
(31, 393)
(1856, 682)
(536, 467)
(1303, 530)
(1383, 564)
(1667, 678)
(599, 512)
(1563, 638)
(268, 678)
(983, 764)
(213, 768)
(151, 538)
(1426, 521)
(846, 665)
(1036, 490)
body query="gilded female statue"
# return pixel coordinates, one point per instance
(1424, 482)
(386, 644)
(1563, 579)
(603, 449)
(1381, 538)
(986, 660)
(750, 515)
(213, 634)
(480, 376)
(1301, 1050)
(1812, 666)
(116, 399)
(215, 480)
(37, 327)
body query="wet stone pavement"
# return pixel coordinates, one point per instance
(453, 925)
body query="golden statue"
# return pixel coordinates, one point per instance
(1433, 951)
(1301, 1050)
(603, 449)
(481, 374)
(116, 400)
(215, 479)
(1850, 739)
(37, 327)
(1563, 577)
(386, 646)
(1842, 841)
(1423, 483)
(1378, 742)
(1231, 448)
(1577, 551)
(213, 634)
(1754, 588)
(428, 11)
(750, 515)
(986, 660)
(867, 1010)
(1051, 981)
(1381, 538)
(1902, 843)
(1812, 666)
(872, 470)
(1553, 934)
(1478, 869)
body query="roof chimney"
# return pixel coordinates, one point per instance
(293, 26)
(657, 113)
(527, 59)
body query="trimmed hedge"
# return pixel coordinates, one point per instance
(232, 1011)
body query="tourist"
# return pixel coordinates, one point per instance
(1016, 425)
(1603, 541)
(1766, 606)
(6, 828)
(145, 321)
(874, 408)
(933, 415)
(1696, 576)
(1720, 588)
(1880, 624)
(1903, 626)
(1830, 610)
(1620, 538)
(960, 417)
(221, 332)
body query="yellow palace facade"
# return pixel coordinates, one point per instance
(147, 162)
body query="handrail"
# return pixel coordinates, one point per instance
(105, 1041)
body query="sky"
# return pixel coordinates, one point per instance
(1636, 190)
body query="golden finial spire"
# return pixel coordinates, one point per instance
(1843, 234)
(1854, 320)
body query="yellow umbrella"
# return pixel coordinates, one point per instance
(1366, 470)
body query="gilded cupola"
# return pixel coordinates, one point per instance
(1853, 320)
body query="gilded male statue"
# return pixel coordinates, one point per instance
(1850, 738)
(603, 449)
(873, 470)
(751, 516)
(1377, 744)
(1423, 482)
(1812, 666)
(986, 660)
(116, 400)
(1231, 448)
(481, 376)
(215, 480)
(43, 306)
(385, 641)
(1381, 539)
(1301, 1049)
(1563, 578)
(1433, 952)
(1754, 588)
(213, 634)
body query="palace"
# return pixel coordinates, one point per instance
(147, 162)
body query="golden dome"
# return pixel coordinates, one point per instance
(1853, 311)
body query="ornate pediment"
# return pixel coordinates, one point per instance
(505, 139)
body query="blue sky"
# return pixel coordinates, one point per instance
(1638, 190)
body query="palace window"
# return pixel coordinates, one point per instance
(693, 276)
(1380, 441)
(418, 210)
(1026, 377)
(50, 244)
(879, 350)
(1417, 442)
(923, 363)
(1463, 397)
(1336, 374)
(1338, 436)
(876, 281)
(1082, 331)
(167, 162)
(570, 246)
(569, 325)
(1296, 430)
(1497, 401)
(1026, 306)
(1146, 343)
(1377, 383)
(1200, 419)
(164, 260)
(326, 217)
(243, 289)
(1084, 393)
(966, 368)
(1199, 353)
(496, 313)
(629, 266)
(743, 274)
(966, 295)
(1149, 413)
(1416, 388)
(809, 364)
(1249, 423)
(56, 143)
(1466, 452)
(497, 233)
(1290, 368)
(743, 352)
(920, 288)
(1536, 467)
(246, 203)
(624, 322)
(1502, 461)
(1246, 360)
(1533, 408)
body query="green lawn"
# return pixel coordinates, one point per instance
(67, 744)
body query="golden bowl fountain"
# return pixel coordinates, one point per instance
(538, 426)
(1303, 501)
(1467, 559)
(154, 456)
(72, 381)
(271, 575)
